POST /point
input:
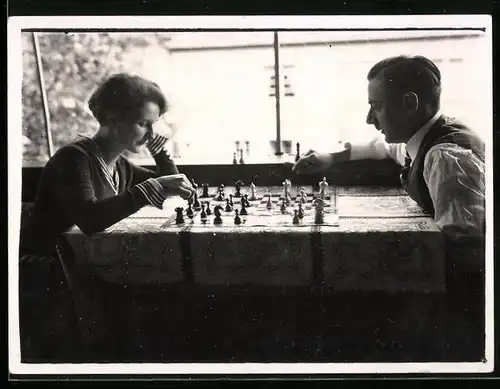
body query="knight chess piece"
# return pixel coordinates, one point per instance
(218, 215)
(179, 218)
(238, 184)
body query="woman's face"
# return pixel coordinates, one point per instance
(134, 134)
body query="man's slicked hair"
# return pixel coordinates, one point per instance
(404, 74)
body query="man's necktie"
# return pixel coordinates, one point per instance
(404, 171)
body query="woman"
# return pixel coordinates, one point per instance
(90, 184)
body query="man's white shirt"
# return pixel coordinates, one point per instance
(454, 176)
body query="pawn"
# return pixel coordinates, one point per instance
(295, 217)
(237, 219)
(269, 204)
(235, 161)
(283, 206)
(208, 210)
(189, 211)
(179, 218)
(203, 214)
(205, 191)
(243, 210)
(300, 212)
(229, 208)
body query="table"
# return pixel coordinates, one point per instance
(384, 242)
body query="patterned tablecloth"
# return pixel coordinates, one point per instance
(383, 242)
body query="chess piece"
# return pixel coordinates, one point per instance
(286, 191)
(217, 213)
(241, 157)
(319, 216)
(246, 201)
(228, 206)
(252, 192)
(297, 156)
(237, 219)
(295, 217)
(231, 200)
(220, 196)
(189, 211)
(235, 161)
(203, 215)
(300, 212)
(323, 186)
(179, 218)
(269, 203)
(283, 206)
(238, 184)
(205, 191)
(196, 202)
(303, 195)
(243, 210)
(208, 210)
(247, 146)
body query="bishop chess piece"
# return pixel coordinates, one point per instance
(217, 213)
(189, 211)
(237, 219)
(323, 186)
(205, 194)
(179, 218)
(229, 208)
(297, 156)
(207, 209)
(238, 184)
(269, 203)
(295, 219)
(252, 192)
(196, 202)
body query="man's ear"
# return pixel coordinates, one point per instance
(410, 102)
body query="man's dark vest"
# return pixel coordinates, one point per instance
(445, 130)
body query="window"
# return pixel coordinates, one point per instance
(222, 86)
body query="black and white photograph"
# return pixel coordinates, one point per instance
(250, 195)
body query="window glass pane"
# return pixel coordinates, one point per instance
(328, 75)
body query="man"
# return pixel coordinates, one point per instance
(442, 159)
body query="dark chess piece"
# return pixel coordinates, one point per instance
(205, 191)
(238, 184)
(229, 208)
(241, 157)
(237, 219)
(269, 204)
(300, 213)
(235, 161)
(218, 218)
(243, 210)
(189, 211)
(231, 200)
(220, 196)
(196, 202)
(245, 201)
(283, 206)
(297, 156)
(203, 215)
(295, 217)
(179, 218)
(208, 210)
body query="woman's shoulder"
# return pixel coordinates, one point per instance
(72, 153)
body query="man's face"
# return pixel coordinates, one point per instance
(387, 112)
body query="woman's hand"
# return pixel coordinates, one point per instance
(176, 184)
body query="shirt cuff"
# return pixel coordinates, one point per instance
(152, 190)
(376, 149)
(157, 144)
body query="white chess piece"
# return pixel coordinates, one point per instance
(323, 186)
(252, 191)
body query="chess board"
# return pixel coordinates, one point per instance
(258, 213)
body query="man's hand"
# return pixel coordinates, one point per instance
(313, 162)
(177, 184)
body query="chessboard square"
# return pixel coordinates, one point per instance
(391, 262)
(378, 206)
(259, 258)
